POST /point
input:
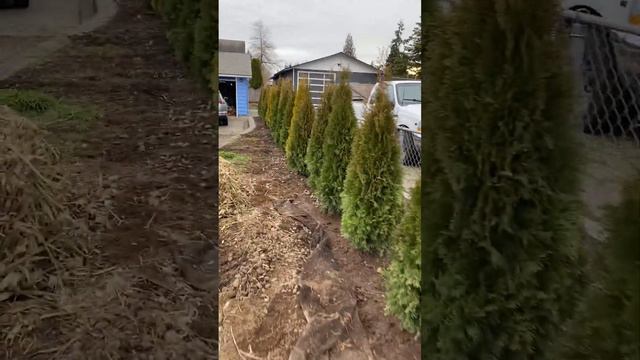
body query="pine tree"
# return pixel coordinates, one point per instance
(501, 256)
(256, 74)
(398, 60)
(608, 321)
(349, 48)
(402, 277)
(286, 93)
(372, 198)
(300, 130)
(283, 131)
(414, 49)
(314, 149)
(336, 150)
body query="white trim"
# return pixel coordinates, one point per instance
(236, 81)
(234, 76)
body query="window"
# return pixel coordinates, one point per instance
(409, 93)
(317, 82)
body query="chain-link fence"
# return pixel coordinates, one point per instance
(410, 144)
(607, 64)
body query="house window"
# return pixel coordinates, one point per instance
(317, 83)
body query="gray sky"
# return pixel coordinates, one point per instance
(309, 29)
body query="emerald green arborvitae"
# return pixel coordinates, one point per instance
(300, 129)
(608, 321)
(272, 110)
(314, 149)
(204, 42)
(283, 132)
(501, 255)
(402, 277)
(372, 196)
(286, 93)
(336, 150)
(264, 102)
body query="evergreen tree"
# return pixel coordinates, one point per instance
(182, 35)
(398, 59)
(314, 149)
(349, 48)
(286, 92)
(262, 102)
(205, 35)
(372, 198)
(336, 150)
(414, 49)
(283, 131)
(300, 130)
(501, 255)
(274, 96)
(402, 277)
(608, 321)
(256, 74)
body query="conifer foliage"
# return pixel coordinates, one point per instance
(272, 109)
(402, 277)
(372, 198)
(316, 142)
(300, 129)
(336, 150)
(501, 257)
(285, 110)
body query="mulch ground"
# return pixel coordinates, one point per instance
(149, 289)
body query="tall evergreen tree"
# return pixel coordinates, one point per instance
(272, 110)
(300, 130)
(414, 49)
(283, 131)
(349, 48)
(402, 277)
(501, 252)
(284, 110)
(398, 60)
(372, 196)
(336, 150)
(256, 74)
(204, 42)
(314, 149)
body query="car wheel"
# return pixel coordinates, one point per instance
(410, 153)
(21, 3)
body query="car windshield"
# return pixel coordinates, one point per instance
(409, 93)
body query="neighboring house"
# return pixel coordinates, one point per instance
(321, 72)
(234, 73)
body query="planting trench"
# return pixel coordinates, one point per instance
(290, 286)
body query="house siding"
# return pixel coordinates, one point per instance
(242, 96)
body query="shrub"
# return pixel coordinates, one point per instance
(336, 149)
(402, 277)
(608, 321)
(263, 103)
(372, 197)
(501, 258)
(204, 42)
(283, 131)
(300, 130)
(182, 34)
(272, 110)
(256, 74)
(314, 149)
(286, 92)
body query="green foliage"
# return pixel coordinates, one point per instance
(398, 60)
(256, 74)
(283, 131)
(402, 277)
(205, 43)
(501, 259)
(300, 129)
(336, 148)
(314, 149)
(272, 110)
(285, 108)
(263, 102)
(372, 198)
(608, 322)
(182, 34)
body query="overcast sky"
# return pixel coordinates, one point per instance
(310, 29)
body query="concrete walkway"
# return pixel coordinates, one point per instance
(30, 35)
(237, 127)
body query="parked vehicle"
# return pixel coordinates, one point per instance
(406, 98)
(14, 3)
(620, 12)
(223, 108)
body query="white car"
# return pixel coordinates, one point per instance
(620, 12)
(406, 97)
(223, 108)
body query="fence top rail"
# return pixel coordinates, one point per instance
(597, 20)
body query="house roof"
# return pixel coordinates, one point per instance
(309, 64)
(235, 46)
(232, 63)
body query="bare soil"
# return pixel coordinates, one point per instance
(148, 288)
(267, 321)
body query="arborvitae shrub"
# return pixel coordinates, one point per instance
(372, 196)
(608, 322)
(402, 277)
(286, 92)
(336, 148)
(264, 100)
(204, 42)
(273, 104)
(300, 129)
(314, 149)
(283, 131)
(182, 35)
(501, 255)
(256, 74)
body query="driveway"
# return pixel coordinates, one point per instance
(28, 35)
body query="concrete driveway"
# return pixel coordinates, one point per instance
(237, 127)
(28, 35)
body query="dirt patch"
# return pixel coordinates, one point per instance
(150, 160)
(284, 318)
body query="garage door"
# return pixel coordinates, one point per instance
(318, 82)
